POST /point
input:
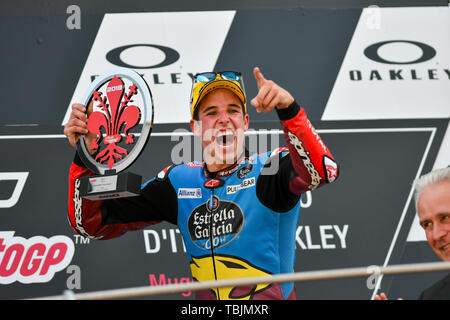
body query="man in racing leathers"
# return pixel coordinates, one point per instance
(237, 217)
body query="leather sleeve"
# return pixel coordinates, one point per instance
(107, 219)
(304, 165)
(310, 157)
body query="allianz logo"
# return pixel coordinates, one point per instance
(189, 193)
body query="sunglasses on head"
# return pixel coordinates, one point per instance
(210, 76)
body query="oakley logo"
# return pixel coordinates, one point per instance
(20, 177)
(371, 52)
(170, 56)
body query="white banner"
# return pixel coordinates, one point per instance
(167, 48)
(397, 66)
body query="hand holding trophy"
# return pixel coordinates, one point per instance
(113, 141)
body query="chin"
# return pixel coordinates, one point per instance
(227, 156)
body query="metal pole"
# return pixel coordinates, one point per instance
(288, 277)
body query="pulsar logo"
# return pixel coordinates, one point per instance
(170, 56)
(372, 53)
(220, 222)
(33, 260)
(247, 183)
(229, 267)
(21, 178)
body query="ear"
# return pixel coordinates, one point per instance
(246, 121)
(196, 127)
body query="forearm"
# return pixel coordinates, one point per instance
(103, 219)
(311, 158)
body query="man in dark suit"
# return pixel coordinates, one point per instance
(432, 198)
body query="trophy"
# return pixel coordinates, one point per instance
(122, 120)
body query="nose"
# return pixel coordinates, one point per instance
(223, 117)
(439, 231)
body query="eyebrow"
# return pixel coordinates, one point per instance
(233, 105)
(208, 109)
(439, 215)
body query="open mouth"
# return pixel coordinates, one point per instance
(225, 139)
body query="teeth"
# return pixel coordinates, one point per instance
(224, 133)
(446, 246)
(224, 137)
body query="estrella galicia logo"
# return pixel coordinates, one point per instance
(371, 52)
(220, 222)
(170, 56)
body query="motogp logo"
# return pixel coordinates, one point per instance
(33, 260)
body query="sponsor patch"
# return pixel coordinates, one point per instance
(247, 183)
(213, 183)
(189, 193)
(220, 222)
(242, 173)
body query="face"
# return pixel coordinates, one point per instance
(221, 126)
(434, 214)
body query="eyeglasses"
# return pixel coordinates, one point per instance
(210, 76)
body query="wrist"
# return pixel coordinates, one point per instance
(285, 104)
(289, 112)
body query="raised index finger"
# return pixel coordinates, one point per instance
(259, 77)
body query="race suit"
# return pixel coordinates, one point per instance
(238, 222)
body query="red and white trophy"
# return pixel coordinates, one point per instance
(122, 120)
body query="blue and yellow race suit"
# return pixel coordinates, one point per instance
(238, 222)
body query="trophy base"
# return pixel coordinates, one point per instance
(110, 186)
